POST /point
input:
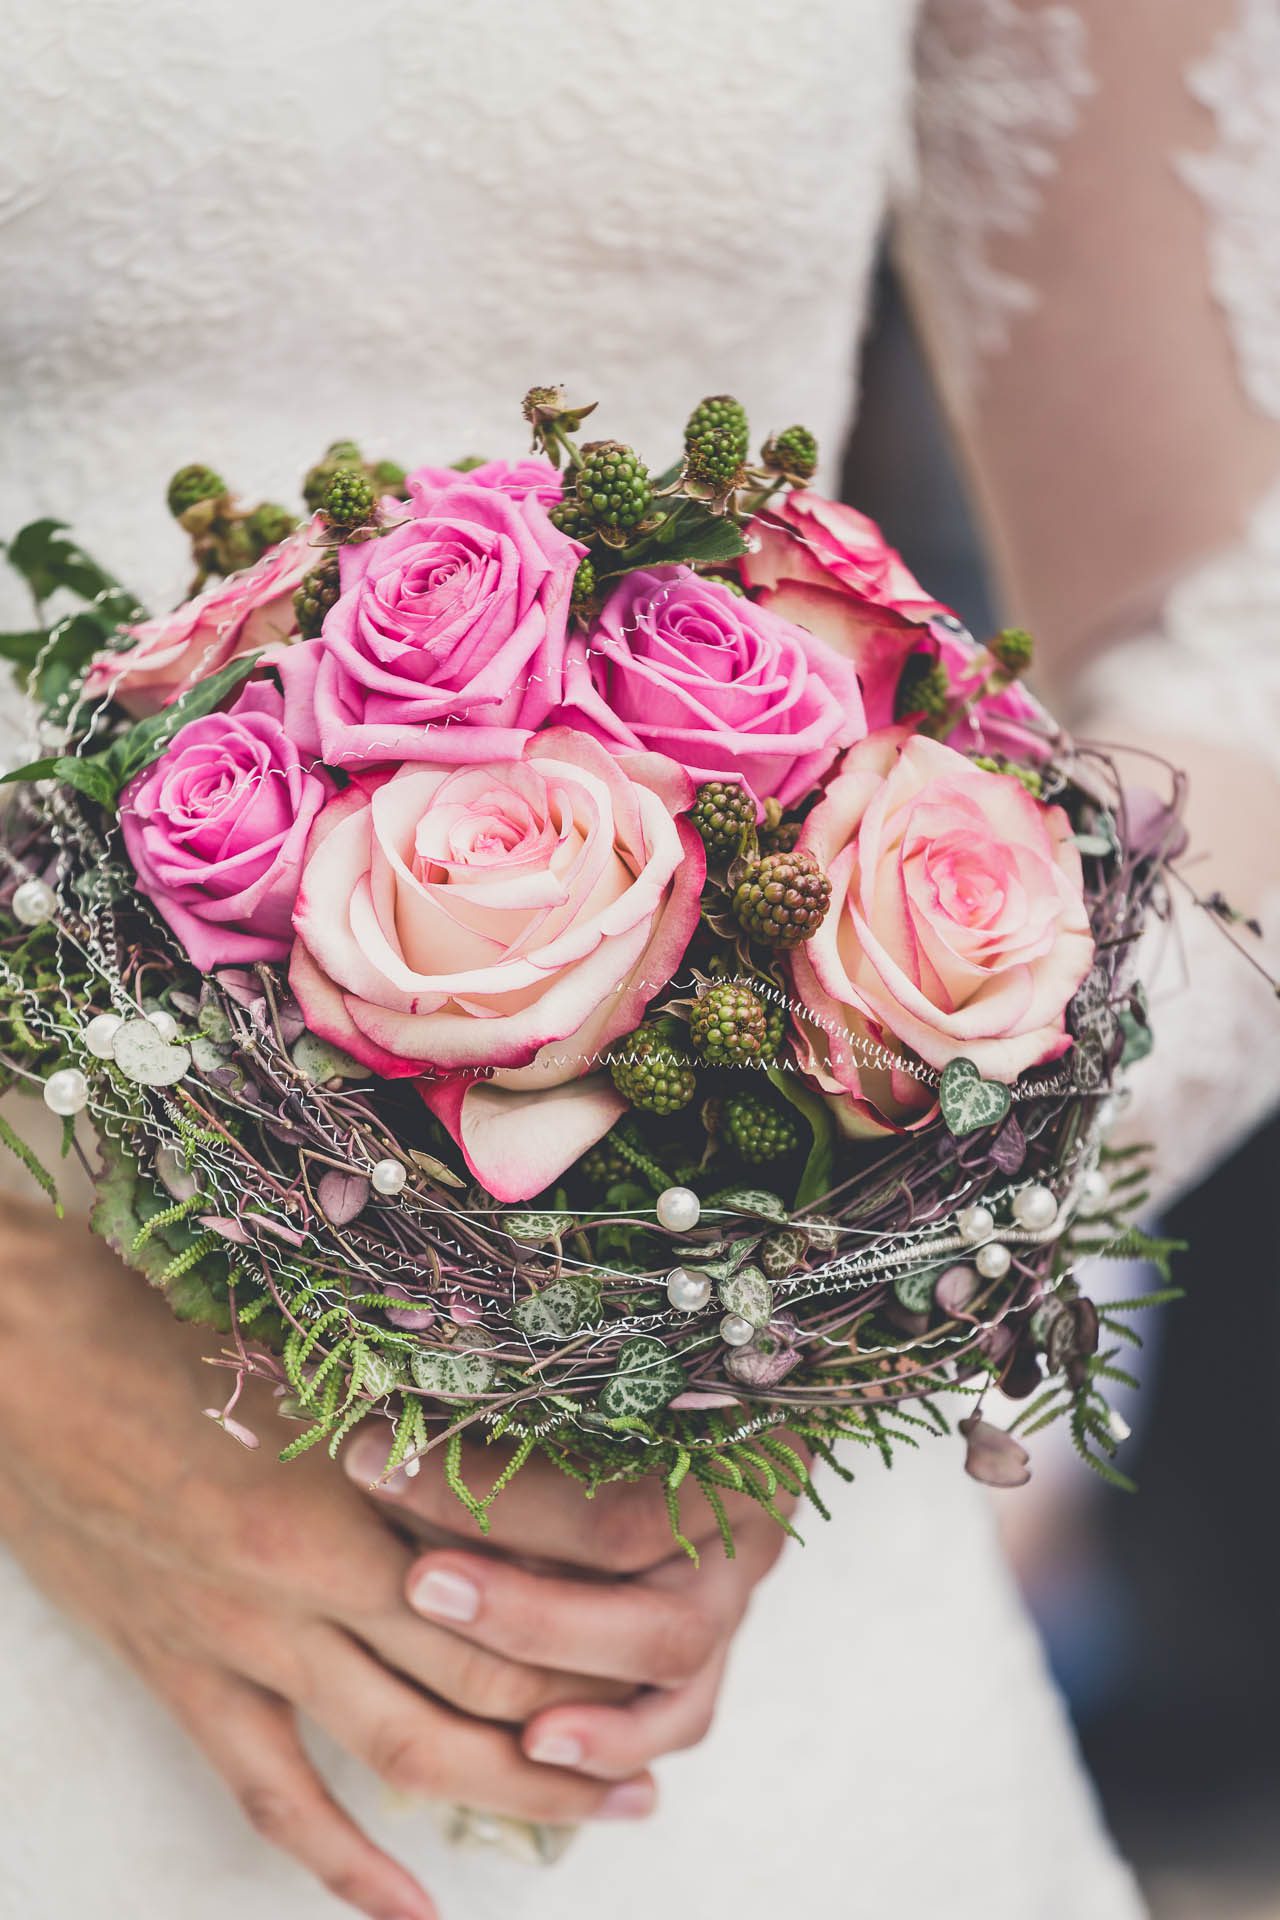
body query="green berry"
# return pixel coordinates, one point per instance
(783, 899)
(614, 491)
(349, 500)
(602, 1166)
(720, 413)
(775, 1028)
(782, 838)
(1013, 649)
(319, 589)
(235, 547)
(728, 1026)
(713, 460)
(793, 452)
(723, 813)
(190, 485)
(269, 524)
(759, 1129)
(650, 1072)
(569, 517)
(584, 585)
(389, 477)
(344, 453)
(924, 687)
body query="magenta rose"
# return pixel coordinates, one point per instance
(683, 666)
(828, 568)
(493, 928)
(522, 479)
(1008, 723)
(447, 642)
(957, 928)
(216, 830)
(244, 613)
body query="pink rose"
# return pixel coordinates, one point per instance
(828, 568)
(957, 927)
(447, 643)
(683, 666)
(495, 927)
(522, 479)
(241, 614)
(1010, 724)
(216, 830)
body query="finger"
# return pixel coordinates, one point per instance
(470, 1676)
(251, 1739)
(612, 1629)
(614, 1743)
(418, 1746)
(624, 1528)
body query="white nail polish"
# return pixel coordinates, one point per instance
(443, 1595)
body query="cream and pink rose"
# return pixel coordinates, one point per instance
(447, 641)
(216, 830)
(522, 479)
(957, 928)
(492, 929)
(827, 568)
(683, 666)
(244, 613)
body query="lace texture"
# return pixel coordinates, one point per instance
(997, 93)
(1239, 182)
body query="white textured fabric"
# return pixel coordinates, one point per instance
(234, 233)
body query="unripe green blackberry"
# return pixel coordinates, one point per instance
(190, 485)
(758, 1129)
(719, 413)
(269, 524)
(602, 1166)
(344, 453)
(613, 486)
(713, 461)
(783, 899)
(782, 838)
(349, 500)
(775, 1028)
(793, 452)
(723, 812)
(652, 1073)
(728, 1026)
(584, 585)
(1013, 649)
(924, 686)
(389, 477)
(569, 517)
(235, 547)
(319, 589)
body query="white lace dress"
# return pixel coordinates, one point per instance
(233, 234)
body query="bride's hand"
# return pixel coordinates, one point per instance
(242, 1591)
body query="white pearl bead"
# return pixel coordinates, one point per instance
(66, 1091)
(688, 1292)
(678, 1209)
(34, 903)
(389, 1176)
(735, 1331)
(993, 1261)
(164, 1023)
(1035, 1208)
(100, 1034)
(1095, 1191)
(976, 1223)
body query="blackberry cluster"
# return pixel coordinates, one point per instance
(1013, 649)
(924, 687)
(759, 1130)
(389, 477)
(793, 452)
(268, 525)
(570, 518)
(343, 453)
(349, 500)
(602, 1166)
(584, 585)
(782, 838)
(319, 589)
(719, 414)
(783, 899)
(652, 1073)
(614, 491)
(190, 485)
(713, 461)
(728, 1026)
(723, 812)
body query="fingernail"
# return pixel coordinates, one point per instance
(444, 1595)
(556, 1750)
(364, 1458)
(631, 1801)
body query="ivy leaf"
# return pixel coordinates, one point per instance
(691, 535)
(47, 557)
(818, 1175)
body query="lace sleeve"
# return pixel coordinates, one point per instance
(1092, 252)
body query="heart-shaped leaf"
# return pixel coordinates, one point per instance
(143, 1057)
(915, 1290)
(968, 1101)
(747, 1200)
(561, 1308)
(537, 1229)
(646, 1380)
(342, 1196)
(455, 1372)
(748, 1294)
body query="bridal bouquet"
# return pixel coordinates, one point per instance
(590, 958)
